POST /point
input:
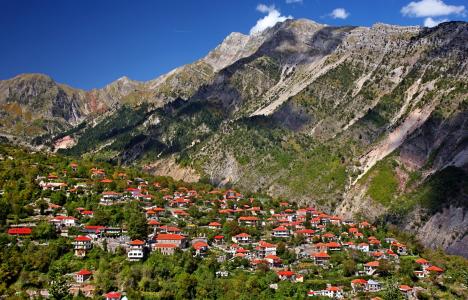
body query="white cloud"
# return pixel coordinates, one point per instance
(431, 8)
(263, 8)
(293, 1)
(339, 13)
(430, 22)
(273, 16)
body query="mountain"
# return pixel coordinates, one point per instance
(356, 120)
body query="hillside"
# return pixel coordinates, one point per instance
(351, 119)
(81, 229)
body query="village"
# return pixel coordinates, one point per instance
(249, 233)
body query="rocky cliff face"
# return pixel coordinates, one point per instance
(355, 120)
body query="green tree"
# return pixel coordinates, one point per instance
(349, 267)
(59, 285)
(42, 205)
(391, 290)
(137, 225)
(44, 231)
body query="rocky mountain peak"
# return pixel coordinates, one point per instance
(235, 46)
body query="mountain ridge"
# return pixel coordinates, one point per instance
(315, 113)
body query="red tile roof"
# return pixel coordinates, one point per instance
(422, 261)
(359, 281)
(281, 228)
(321, 255)
(113, 295)
(248, 218)
(305, 231)
(136, 243)
(405, 288)
(20, 231)
(434, 269)
(164, 245)
(286, 273)
(153, 222)
(199, 245)
(333, 245)
(168, 236)
(372, 264)
(84, 272)
(82, 238)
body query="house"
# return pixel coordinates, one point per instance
(241, 252)
(109, 197)
(263, 249)
(222, 274)
(180, 202)
(165, 249)
(94, 231)
(136, 250)
(399, 248)
(333, 292)
(330, 292)
(201, 248)
(273, 261)
(83, 275)
(113, 296)
(358, 285)
(97, 173)
(314, 222)
(218, 239)
(53, 186)
(307, 233)
(20, 231)
(281, 232)
(378, 255)
(169, 238)
(214, 225)
(333, 246)
(87, 213)
(319, 247)
(406, 290)
(329, 237)
(248, 220)
(242, 238)
(231, 195)
(321, 258)
(423, 263)
(64, 221)
(74, 166)
(371, 267)
(434, 270)
(364, 224)
(286, 275)
(364, 247)
(170, 229)
(82, 245)
(373, 286)
(420, 274)
(154, 224)
(335, 220)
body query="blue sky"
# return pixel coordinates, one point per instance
(89, 43)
